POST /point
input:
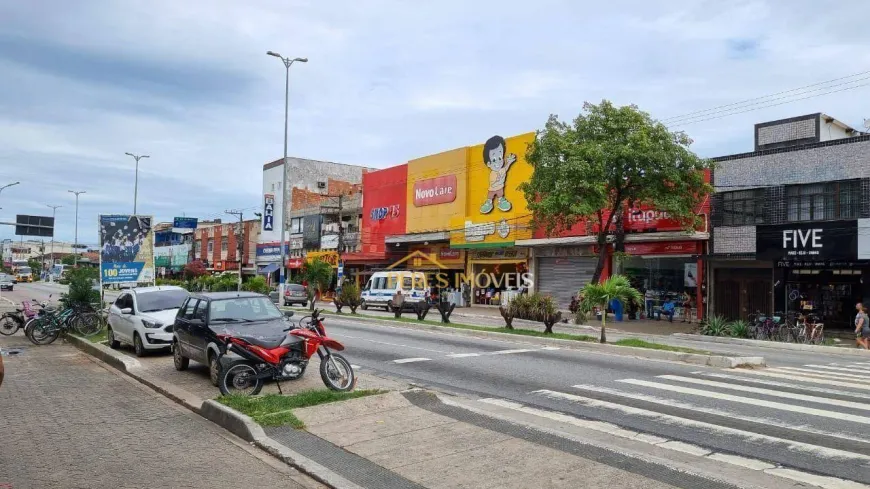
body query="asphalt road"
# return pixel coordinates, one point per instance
(807, 412)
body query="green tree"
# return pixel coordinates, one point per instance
(81, 286)
(318, 275)
(35, 268)
(608, 159)
(616, 287)
(68, 260)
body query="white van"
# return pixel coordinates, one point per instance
(382, 286)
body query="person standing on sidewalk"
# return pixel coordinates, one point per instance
(862, 327)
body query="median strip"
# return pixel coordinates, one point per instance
(277, 410)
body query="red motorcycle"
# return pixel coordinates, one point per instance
(284, 359)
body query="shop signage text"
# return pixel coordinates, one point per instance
(294, 263)
(271, 250)
(478, 232)
(268, 212)
(816, 241)
(664, 248)
(499, 254)
(438, 190)
(330, 257)
(381, 213)
(449, 254)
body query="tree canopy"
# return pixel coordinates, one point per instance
(608, 159)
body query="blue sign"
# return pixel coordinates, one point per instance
(119, 272)
(269, 212)
(381, 213)
(185, 222)
(126, 249)
(267, 250)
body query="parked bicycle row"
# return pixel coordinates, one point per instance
(791, 328)
(43, 323)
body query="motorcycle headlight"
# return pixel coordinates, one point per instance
(151, 324)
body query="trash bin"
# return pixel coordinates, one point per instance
(616, 307)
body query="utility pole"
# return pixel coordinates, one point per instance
(136, 184)
(54, 209)
(240, 241)
(340, 208)
(76, 245)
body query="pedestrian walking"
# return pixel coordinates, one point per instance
(862, 327)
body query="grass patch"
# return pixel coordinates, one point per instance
(276, 410)
(98, 338)
(520, 332)
(638, 343)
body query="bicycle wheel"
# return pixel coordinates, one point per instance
(8, 325)
(87, 324)
(42, 331)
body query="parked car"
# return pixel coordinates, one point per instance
(144, 317)
(6, 282)
(205, 315)
(382, 286)
(295, 294)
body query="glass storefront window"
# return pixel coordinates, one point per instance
(664, 279)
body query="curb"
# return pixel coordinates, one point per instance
(719, 361)
(227, 418)
(773, 345)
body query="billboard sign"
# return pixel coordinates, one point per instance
(268, 212)
(813, 241)
(126, 249)
(34, 226)
(311, 231)
(433, 191)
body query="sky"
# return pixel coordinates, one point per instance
(189, 84)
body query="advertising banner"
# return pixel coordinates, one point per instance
(436, 190)
(311, 231)
(807, 241)
(126, 249)
(271, 251)
(496, 213)
(268, 212)
(180, 255)
(384, 207)
(162, 256)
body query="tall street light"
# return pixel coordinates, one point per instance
(54, 209)
(76, 245)
(136, 185)
(8, 185)
(287, 62)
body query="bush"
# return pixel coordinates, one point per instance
(169, 281)
(81, 287)
(715, 326)
(532, 307)
(349, 296)
(739, 329)
(256, 284)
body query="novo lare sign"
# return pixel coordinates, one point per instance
(808, 241)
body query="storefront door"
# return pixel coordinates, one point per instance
(563, 277)
(743, 291)
(829, 294)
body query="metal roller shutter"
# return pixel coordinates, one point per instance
(562, 277)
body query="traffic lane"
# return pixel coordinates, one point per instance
(42, 291)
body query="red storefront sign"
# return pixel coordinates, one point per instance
(386, 196)
(662, 248)
(294, 263)
(449, 254)
(438, 190)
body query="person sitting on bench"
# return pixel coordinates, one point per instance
(667, 309)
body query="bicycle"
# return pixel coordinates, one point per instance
(47, 326)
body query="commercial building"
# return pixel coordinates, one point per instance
(791, 222)
(173, 245)
(305, 178)
(216, 244)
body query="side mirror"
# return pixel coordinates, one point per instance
(126, 310)
(289, 314)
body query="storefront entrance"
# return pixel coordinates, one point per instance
(830, 294)
(496, 274)
(740, 292)
(562, 277)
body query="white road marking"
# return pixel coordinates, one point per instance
(750, 401)
(802, 378)
(551, 348)
(464, 355)
(355, 367)
(411, 360)
(748, 436)
(508, 352)
(823, 374)
(393, 344)
(679, 446)
(769, 392)
(749, 463)
(816, 480)
(840, 369)
(774, 383)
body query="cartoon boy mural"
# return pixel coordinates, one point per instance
(495, 157)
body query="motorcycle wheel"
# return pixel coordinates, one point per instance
(42, 332)
(240, 378)
(8, 325)
(337, 373)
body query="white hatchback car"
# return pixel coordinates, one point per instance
(144, 316)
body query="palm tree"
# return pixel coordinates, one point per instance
(616, 287)
(318, 274)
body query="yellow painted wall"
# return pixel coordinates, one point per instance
(480, 225)
(436, 217)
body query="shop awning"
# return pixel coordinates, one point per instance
(629, 238)
(270, 268)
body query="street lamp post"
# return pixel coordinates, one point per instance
(8, 185)
(54, 209)
(287, 62)
(76, 245)
(136, 184)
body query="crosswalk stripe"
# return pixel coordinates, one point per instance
(822, 481)
(804, 378)
(463, 355)
(774, 383)
(814, 450)
(824, 375)
(839, 369)
(769, 392)
(751, 401)
(508, 352)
